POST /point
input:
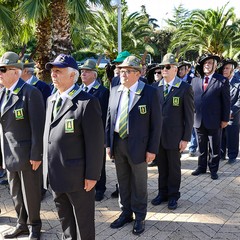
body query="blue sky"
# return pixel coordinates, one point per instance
(163, 9)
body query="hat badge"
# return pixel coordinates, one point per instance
(6, 61)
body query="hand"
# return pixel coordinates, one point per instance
(108, 152)
(182, 145)
(89, 184)
(223, 124)
(150, 157)
(35, 164)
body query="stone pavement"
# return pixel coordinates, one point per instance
(207, 209)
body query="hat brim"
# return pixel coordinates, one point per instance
(29, 65)
(49, 65)
(217, 58)
(166, 63)
(16, 65)
(87, 68)
(127, 66)
(118, 60)
(184, 64)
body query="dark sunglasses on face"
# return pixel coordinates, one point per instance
(159, 72)
(4, 69)
(166, 66)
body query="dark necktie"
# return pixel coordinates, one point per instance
(85, 89)
(57, 106)
(205, 84)
(165, 92)
(123, 123)
(7, 96)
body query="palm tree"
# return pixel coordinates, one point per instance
(53, 25)
(213, 31)
(103, 32)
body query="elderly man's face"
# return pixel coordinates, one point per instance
(88, 76)
(227, 70)
(62, 78)
(209, 66)
(9, 75)
(169, 72)
(129, 76)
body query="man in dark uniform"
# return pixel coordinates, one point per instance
(73, 149)
(230, 134)
(176, 98)
(28, 76)
(22, 123)
(133, 133)
(212, 110)
(92, 86)
(185, 74)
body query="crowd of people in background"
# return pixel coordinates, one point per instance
(58, 135)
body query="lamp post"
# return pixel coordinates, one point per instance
(119, 6)
(117, 3)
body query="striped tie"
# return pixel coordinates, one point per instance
(165, 92)
(7, 96)
(123, 123)
(57, 106)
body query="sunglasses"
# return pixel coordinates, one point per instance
(4, 69)
(166, 66)
(158, 72)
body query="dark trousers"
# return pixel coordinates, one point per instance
(101, 184)
(209, 148)
(76, 214)
(230, 142)
(132, 179)
(25, 189)
(169, 169)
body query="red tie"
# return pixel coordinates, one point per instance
(205, 83)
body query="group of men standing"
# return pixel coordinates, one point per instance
(141, 123)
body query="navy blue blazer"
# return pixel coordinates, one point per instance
(43, 87)
(177, 109)
(213, 105)
(144, 123)
(235, 101)
(102, 94)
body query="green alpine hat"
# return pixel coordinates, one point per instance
(11, 59)
(89, 65)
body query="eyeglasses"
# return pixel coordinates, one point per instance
(127, 71)
(166, 66)
(4, 69)
(158, 72)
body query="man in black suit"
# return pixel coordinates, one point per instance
(92, 86)
(73, 149)
(230, 134)
(176, 97)
(22, 122)
(28, 76)
(212, 110)
(133, 133)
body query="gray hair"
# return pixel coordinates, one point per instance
(76, 76)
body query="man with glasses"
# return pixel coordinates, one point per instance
(22, 123)
(212, 111)
(176, 97)
(133, 133)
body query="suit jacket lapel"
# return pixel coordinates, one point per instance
(176, 84)
(138, 94)
(68, 103)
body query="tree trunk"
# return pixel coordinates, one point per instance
(62, 42)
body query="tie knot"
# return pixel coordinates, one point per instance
(206, 79)
(85, 89)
